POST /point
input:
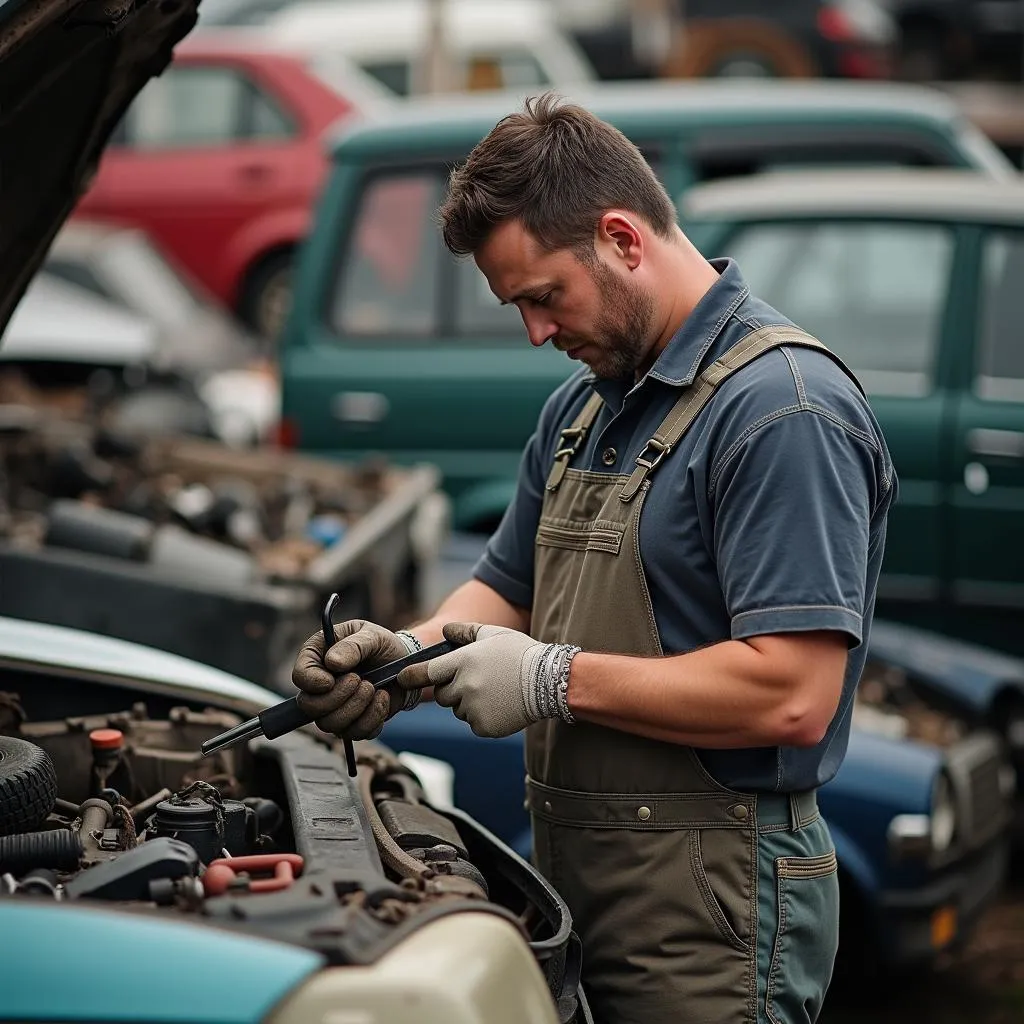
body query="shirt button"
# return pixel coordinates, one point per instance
(608, 456)
(643, 813)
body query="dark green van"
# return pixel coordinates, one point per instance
(394, 347)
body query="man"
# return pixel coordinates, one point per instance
(678, 598)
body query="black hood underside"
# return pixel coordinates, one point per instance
(68, 70)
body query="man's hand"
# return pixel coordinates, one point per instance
(499, 682)
(333, 694)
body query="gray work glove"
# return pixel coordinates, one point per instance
(334, 695)
(499, 682)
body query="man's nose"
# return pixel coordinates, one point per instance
(539, 328)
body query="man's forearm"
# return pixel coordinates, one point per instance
(779, 690)
(472, 602)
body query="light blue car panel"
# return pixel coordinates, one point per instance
(61, 963)
(43, 645)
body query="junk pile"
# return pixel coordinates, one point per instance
(214, 553)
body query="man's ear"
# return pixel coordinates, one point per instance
(619, 235)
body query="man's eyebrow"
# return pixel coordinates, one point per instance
(528, 293)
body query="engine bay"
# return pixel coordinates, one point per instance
(270, 837)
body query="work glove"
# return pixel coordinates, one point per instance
(499, 680)
(333, 694)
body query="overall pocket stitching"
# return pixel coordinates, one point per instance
(773, 973)
(711, 903)
(807, 867)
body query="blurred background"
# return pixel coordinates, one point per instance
(255, 268)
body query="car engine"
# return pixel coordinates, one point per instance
(271, 838)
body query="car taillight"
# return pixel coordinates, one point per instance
(834, 25)
(285, 433)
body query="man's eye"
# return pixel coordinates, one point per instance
(542, 300)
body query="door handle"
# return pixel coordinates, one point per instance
(360, 407)
(255, 173)
(1002, 444)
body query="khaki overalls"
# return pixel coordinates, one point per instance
(656, 860)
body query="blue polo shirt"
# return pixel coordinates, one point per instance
(768, 517)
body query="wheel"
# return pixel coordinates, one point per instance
(266, 297)
(28, 786)
(740, 47)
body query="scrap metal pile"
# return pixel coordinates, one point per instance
(175, 501)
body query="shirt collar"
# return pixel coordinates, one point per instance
(683, 355)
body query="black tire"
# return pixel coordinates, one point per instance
(267, 294)
(28, 786)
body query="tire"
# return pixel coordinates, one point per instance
(718, 48)
(28, 786)
(266, 295)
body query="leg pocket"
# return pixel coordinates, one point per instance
(806, 939)
(722, 920)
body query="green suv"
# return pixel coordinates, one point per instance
(395, 347)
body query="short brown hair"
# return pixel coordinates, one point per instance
(556, 168)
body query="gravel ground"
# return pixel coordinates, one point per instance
(983, 984)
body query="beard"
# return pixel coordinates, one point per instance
(620, 339)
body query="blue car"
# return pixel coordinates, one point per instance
(920, 824)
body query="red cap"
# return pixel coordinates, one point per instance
(107, 739)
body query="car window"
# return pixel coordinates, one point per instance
(77, 272)
(387, 281)
(1000, 366)
(477, 311)
(392, 74)
(202, 106)
(874, 292)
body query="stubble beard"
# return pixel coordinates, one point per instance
(622, 331)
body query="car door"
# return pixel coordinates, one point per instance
(202, 151)
(412, 356)
(987, 492)
(875, 291)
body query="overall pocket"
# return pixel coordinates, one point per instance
(806, 939)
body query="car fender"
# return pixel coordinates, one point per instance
(855, 863)
(276, 230)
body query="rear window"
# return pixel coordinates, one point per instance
(873, 291)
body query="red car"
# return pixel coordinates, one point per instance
(220, 160)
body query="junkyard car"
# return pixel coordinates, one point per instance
(395, 347)
(257, 884)
(915, 279)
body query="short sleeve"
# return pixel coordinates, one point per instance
(507, 562)
(793, 505)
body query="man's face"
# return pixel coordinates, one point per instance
(584, 309)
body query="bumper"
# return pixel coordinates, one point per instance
(914, 927)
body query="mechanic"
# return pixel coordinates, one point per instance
(677, 601)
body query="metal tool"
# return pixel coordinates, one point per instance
(287, 716)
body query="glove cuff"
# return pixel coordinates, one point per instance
(548, 692)
(412, 697)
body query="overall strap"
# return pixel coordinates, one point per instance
(571, 439)
(699, 393)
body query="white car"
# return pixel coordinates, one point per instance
(511, 44)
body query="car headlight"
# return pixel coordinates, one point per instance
(920, 835)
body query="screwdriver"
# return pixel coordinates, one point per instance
(287, 716)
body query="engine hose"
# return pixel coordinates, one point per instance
(58, 848)
(391, 853)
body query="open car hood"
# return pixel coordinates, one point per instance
(68, 70)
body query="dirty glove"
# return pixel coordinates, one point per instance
(334, 695)
(500, 681)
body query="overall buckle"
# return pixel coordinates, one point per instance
(573, 434)
(660, 450)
